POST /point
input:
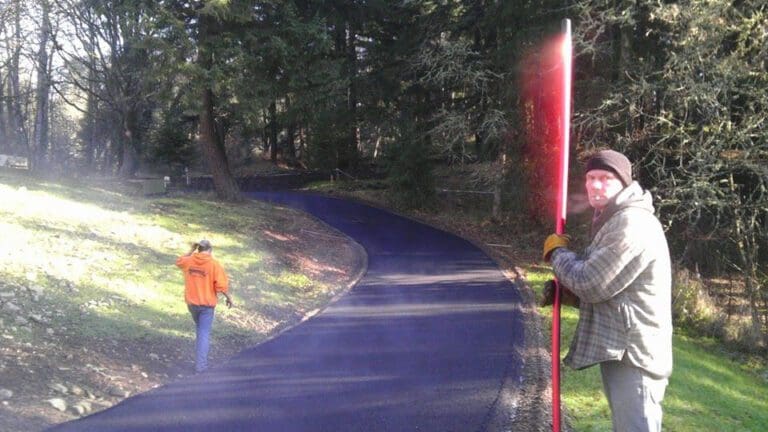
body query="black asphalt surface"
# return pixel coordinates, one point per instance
(428, 340)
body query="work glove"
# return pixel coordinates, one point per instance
(553, 242)
(567, 297)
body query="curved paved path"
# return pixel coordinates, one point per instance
(428, 340)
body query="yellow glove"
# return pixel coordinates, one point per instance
(553, 242)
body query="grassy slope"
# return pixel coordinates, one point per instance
(104, 261)
(708, 391)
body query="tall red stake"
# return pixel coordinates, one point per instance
(562, 199)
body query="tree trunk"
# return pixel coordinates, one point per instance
(130, 155)
(747, 245)
(266, 145)
(747, 251)
(39, 154)
(3, 120)
(210, 142)
(107, 153)
(302, 143)
(89, 134)
(353, 141)
(498, 185)
(273, 131)
(290, 143)
(213, 149)
(91, 149)
(18, 129)
(289, 153)
(129, 163)
(347, 142)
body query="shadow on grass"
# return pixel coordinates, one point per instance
(707, 391)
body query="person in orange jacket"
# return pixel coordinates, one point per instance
(204, 279)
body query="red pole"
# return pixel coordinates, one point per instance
(562, 199)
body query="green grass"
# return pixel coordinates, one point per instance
(708, 390)
(104, 258)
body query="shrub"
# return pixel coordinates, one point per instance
(693, 308)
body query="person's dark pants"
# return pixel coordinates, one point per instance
(203, 316)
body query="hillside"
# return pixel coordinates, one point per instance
(91, 304)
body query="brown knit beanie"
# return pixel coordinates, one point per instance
(612, 160)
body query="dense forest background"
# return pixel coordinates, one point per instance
(397, 87)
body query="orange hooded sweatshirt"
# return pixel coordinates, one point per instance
(204, 278)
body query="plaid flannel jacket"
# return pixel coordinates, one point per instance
(623, 280)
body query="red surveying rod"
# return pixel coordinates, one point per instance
(562, 199)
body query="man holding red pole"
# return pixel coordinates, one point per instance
(621, 284)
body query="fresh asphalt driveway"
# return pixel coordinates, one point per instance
(428, 340)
